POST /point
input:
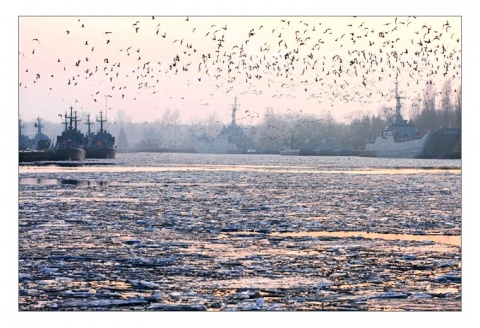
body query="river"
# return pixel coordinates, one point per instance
(217, 232)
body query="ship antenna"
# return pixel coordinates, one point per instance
(76, 120)
(88, 123)
(106, 110)
(70, 117)
(20, 126)
(39, 126)
(234, 109)
(397, 97)
(65, 122)
(101, 120)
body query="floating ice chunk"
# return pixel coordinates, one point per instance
(259, 302)
(155, 297)
(177, 307)
(175, 295)
(324, 284)
(409, 257)
(74, 214)
(420, 295)
(24, 276)
(103, 303)
(144, 284)
(132, 241)
(391, 295)
(448, 277)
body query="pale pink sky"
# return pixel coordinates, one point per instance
(313, 65)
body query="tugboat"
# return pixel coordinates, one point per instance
(69, 144)
(100, 144)
(36, 149)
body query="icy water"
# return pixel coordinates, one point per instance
(189, 232)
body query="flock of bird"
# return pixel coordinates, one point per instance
(280, 59)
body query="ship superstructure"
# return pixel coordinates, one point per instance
(401, 139)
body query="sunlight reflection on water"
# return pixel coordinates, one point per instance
(442, 239)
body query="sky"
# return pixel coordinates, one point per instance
(139, 67)
(38, 100)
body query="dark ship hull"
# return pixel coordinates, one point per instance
(100, 145)
(69, 146)
(448, 144)
(68, 154)
(27, 156)
(37, 149)
(101, 153)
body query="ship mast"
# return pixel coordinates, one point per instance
(234, 109)
(20, 126)
(88, 124)
(76, 120)
(398, 105)
(68, 117)
(39, 126)
(101, 120)
(106, 110)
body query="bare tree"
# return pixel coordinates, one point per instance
(458, 106)
(121, 117)
(122, 139)
(151, 138)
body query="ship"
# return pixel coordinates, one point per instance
(328, 147)
(231, 140)
(41, 141)
(101, 144)
(36, 149)
(401, 139)
(69, 145)
(448, 143)
(24, 142)
(207, 145)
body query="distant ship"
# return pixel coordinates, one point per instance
(24, 142)
(215, 146)
(401, 139)
(100, 144)
(226, 142)
(328, 147)
(41, 141)
(448, 144)
(69, 145)
(36, 149)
